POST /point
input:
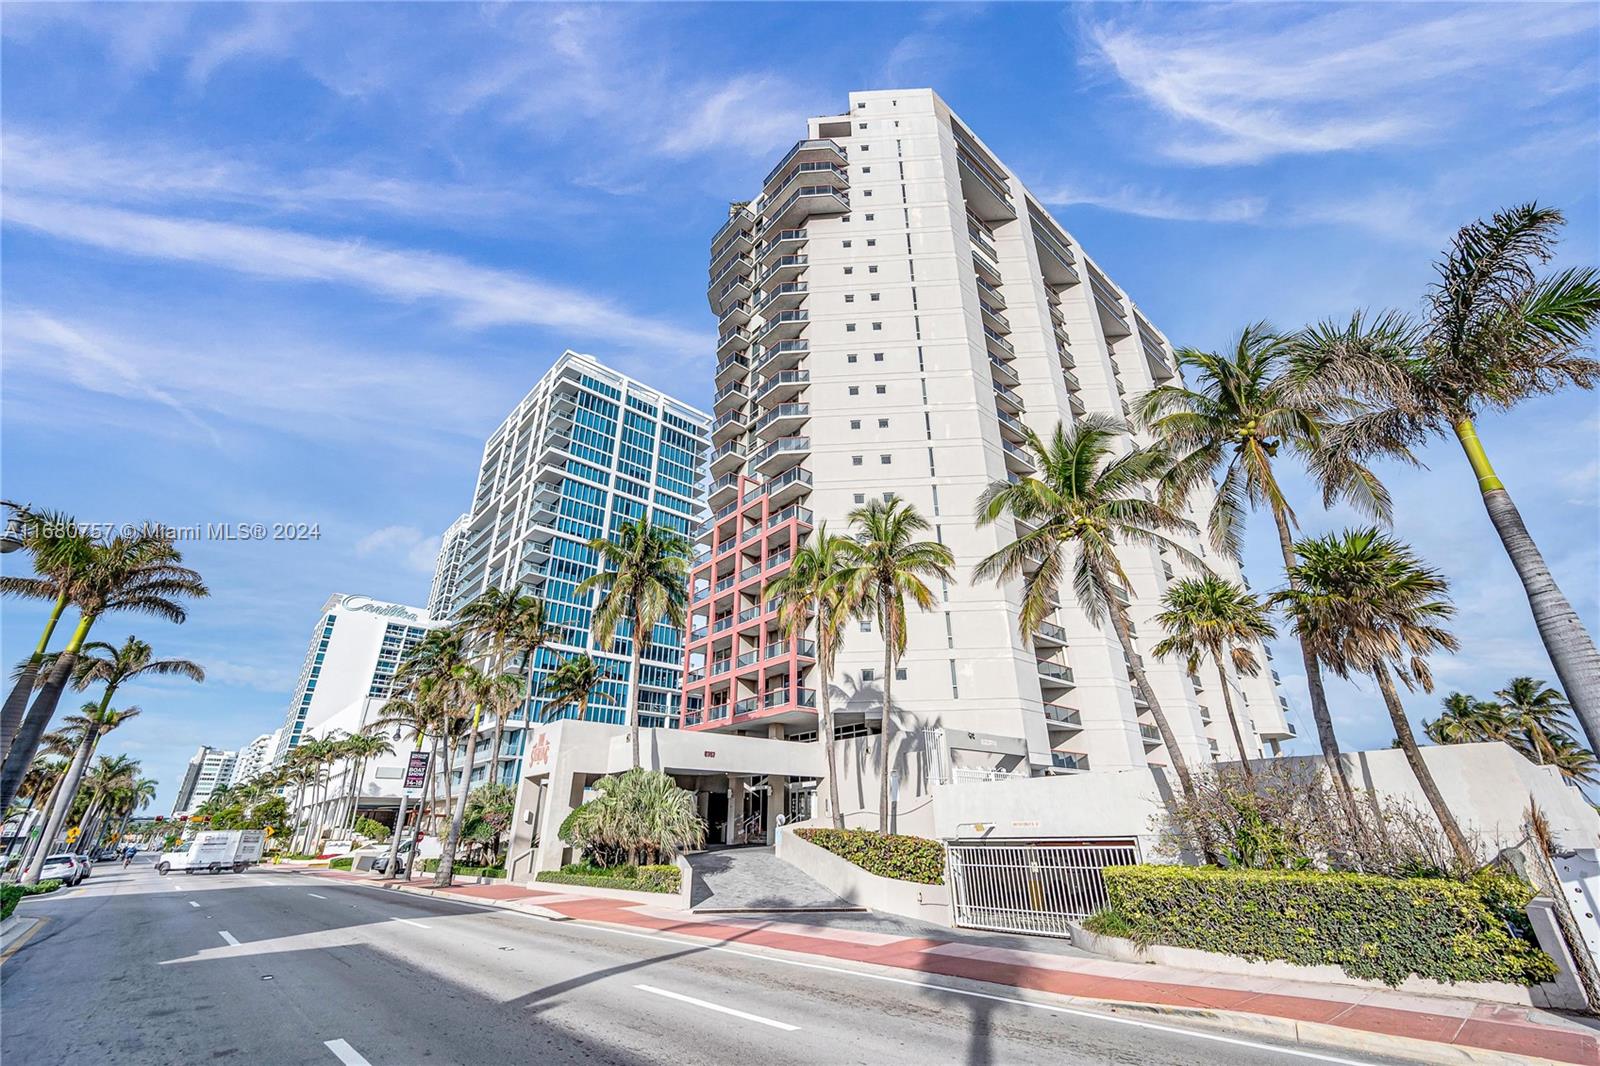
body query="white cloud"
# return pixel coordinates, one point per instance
(751, 113)
(477, 296)
(1242, 86)
(263, 30)
(1146, 203)
(418, 550)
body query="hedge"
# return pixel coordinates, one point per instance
(667, 879)
(343, 862)
(1377, 928)
(431, 866)
(902, 858)
(12, 894)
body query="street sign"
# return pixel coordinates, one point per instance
(270, 830)
(416, 769)
(72, 835)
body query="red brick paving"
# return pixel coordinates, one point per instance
(1491, 1027)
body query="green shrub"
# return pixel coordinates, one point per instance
(431, 866)
(1378, 928)
(372, 830)
(341, 863)
(11, 895)
(667, 879)
(902, 858)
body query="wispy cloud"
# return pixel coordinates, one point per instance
(1241, 88)
(408, 544)
(1147, 203)
(476, 296)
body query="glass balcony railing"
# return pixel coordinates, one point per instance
(820, 145)
(1055, 671)
(785, 697)
(803, 514)
(1069, 760)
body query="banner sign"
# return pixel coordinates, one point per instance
(417, 769)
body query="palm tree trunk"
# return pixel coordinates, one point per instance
(1119, 622)
(1233, 721)
(33, 846)
(448, 856)
(1408, 743)
(55, 821)
(633, 696)
(492, 776)
(16, 704)
(1570, 647)
(26, 743)
(825, 723)
(885, 719)
(1326, 738)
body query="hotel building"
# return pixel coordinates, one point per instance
(447, 567)
(355, 648)
(894, 306)
(585, 452)
(254, 757)
(209, 769)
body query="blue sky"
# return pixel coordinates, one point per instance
(293, 263)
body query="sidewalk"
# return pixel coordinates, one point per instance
(1471, 1030)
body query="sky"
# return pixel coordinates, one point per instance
(293, 263)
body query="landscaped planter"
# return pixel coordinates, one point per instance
(1557, 995)
(908, 899)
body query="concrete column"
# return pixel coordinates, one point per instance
(730, 831)
(777, 803)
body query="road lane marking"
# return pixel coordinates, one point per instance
(347, 1054)
(192, 903)
(229, 938)
(313, 895)
(719, 1008)
(410, 921)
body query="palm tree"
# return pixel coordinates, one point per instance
(533, 632)
(361, 749)
(134, 797)
(1230, 425)
(112, 776)
(138, 571)
(1493, 333)
(573, 683)
(642, 813)
(1467, 720)
(483, 690)
(879, 569)
(1084, 501)
(642, 577)
(1215, 617)
(94, 722)
(504, 622)
(811, 592)
(59, 551)
(1575, 762)
(1535, 711)
(1366, 604)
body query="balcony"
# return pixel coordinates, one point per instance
(991, 294)
(724, 490)
(1150, 735)
(987, 269)
(1071, 380)
(1065, 718)
(735, 340)
(750, 614)
(1055, 674)
(728, 458)
(1055, 260)
(777, 559)
(1069, 761)
(805, 649)
(748, 705)
(747, 660)
(783, 297)
(733, 368)
(784, 269)
(780, 388)
(785, 325)
(785, 355)
(1075, 402)
(812, 150)
(739, 267)
(998, 343)
(784, 242)
(805, 517)
(806, 201)
(1003, 373)
(786, 697)
(1051, 634)
(781, 455)
(723, 624)
(993, 318)
(736, 288)
(1017, 459)
(735, 314)
(741, 223)
(734, 392)
(788, 487)
(784, 419)
(1008, 401)
(818, 174)
(984, 189)
(1011, 428)
(980, 242)
(720, 666)
(729, 424)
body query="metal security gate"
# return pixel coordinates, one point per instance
(1036, 886)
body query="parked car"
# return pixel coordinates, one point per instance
(430, 850)
(87, 863)
(63, 867)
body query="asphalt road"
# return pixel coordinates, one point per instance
(270, 968)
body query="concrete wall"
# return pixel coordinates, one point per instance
(908, 899)
(1126, 803)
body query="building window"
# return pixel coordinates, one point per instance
(874, 297)
(867, 675)
(855, 390)
(866, 625)
(872, 242)
(866, 170)
(872, 270)
(850, 358)
(877, 325)
(847, 244)
(849, 297)
(885, 460)
(856, 460)
(849, 270)
(866, 192)
(880, 389)
(861, 497)
(855, 423)
(877, 357)
(899, 673)
(849, 327)
(870, 215)
(883, 423)
(861, 125)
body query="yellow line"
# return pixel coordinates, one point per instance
(23, 939)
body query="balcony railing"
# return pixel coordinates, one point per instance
(1051, 631)
(793, 288)
(1150, 734)
(784, 448)
(814, 144)
(784, 412)
(784, 381)
(805, 697)
(1055, 671)
(804, 648)
(1069, 760)
(1066, 716)
(793, 511)
(998, 341)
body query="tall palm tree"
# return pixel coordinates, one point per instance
(483, 690)
(1366, 604)
(112, 776)
(1537, 712)
(359, 750)
(573, 683)
(1231, 424)
(1467, 720)
(811, 592)
(1493, 333)
(1213, 616)
(134, 797)
(59, 550)
(534, 632)
(503, 623)
(95, 721)
(880, 568)
(642, 579)
(1083, 502)
(138, 571)
(1575, 762)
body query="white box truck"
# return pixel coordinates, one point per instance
(215, 851)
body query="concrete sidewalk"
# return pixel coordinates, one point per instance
(1435, 1028)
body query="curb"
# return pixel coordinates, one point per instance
(17, 931)
(530, 909)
